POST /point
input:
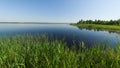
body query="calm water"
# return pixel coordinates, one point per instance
(66, 31)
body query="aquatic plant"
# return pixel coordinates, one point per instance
(36, 51)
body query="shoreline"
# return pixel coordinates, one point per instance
(98, 26)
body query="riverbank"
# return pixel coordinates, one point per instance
(27, 51)
(97, 26)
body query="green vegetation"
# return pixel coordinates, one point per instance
(26, 51)
(99, 24)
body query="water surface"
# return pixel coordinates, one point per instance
(66, 31)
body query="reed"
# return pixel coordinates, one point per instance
(36, 51)
(98, 26)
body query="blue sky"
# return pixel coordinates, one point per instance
(58, 10)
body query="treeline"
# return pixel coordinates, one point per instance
(102, 22)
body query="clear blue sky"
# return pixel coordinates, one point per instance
(58, 10)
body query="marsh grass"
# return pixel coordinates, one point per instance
(98, 26)
(28, 51)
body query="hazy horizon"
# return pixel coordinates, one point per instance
(61, 11)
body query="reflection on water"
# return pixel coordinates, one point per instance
(114, 32)
(66, 31)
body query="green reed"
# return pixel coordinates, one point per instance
(36, 51)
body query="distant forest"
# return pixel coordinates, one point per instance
(102, 22)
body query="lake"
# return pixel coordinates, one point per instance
(63, 31)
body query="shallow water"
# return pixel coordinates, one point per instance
(66, 31)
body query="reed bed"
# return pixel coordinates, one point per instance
(37, 51)
(98, 26)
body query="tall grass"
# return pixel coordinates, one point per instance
(98, 26)
(27, 51)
